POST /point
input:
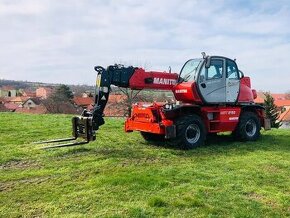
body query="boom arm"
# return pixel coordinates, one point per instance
(85, 126)
(126, 77)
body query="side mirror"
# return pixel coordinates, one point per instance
(241, 74)
(169, 69)
(207, 62)
(201, 78)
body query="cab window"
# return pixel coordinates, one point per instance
(215, 70)
(232, 70)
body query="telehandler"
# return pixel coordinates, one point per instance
(212, 96)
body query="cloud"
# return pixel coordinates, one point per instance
(23, 7)
(61, 41)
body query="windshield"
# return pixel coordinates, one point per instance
(189, 69)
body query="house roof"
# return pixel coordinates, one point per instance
(279, 96)
(82, 101)
(285, 116)
(282, 103)
(279, 99)
(11, 106)
(28, 93)
(116, 98)
(259, 100)
(36, 101)
(7, 88)
(19, 99)
(6, 99)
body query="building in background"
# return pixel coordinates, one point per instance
(11, 107)
(84, 102)
(27, 93)
(44, 92)
(8, 91)
(30, 103)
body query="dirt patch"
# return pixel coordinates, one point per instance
(262, 199)
(141, 161)
(272, 169)
(255, 196)
(8, 186)
(20, 164)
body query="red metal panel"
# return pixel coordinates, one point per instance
(220, 118)
(144, 119)
(156, 80)
(131, 125)
(246, 93)
(187, 92)
(215, 118)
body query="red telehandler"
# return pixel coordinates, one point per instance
(212, 96)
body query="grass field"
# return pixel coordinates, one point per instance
(121, 175)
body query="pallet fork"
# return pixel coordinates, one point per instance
(82, 127)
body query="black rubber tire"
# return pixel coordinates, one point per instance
(248, 128)
(190, 132)
(151, 137)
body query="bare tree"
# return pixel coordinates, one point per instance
(130, 98)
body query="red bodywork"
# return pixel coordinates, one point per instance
(148, 118)
(187, 92)
(152, 80)
(153, 117)
(246, 93)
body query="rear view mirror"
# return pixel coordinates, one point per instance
(241, 74)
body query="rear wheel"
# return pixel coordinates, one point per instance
(190, 132)
(248, 128)
(151, 137)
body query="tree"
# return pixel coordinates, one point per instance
(60, 101)
(134, 96)
(62, 93)
(272, 111)
(130, 98)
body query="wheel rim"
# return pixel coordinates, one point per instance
(192, 133)
(251, 128)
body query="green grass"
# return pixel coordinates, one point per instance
(121, 175)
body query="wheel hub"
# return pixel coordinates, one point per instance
(251, 128)
(192, 133)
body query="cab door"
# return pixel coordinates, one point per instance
(232, 81)
(212, 81)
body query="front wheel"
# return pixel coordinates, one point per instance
(248, 128)
(190, 132)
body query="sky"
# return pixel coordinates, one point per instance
(61, 41)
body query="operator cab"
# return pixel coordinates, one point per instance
(217, 78)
